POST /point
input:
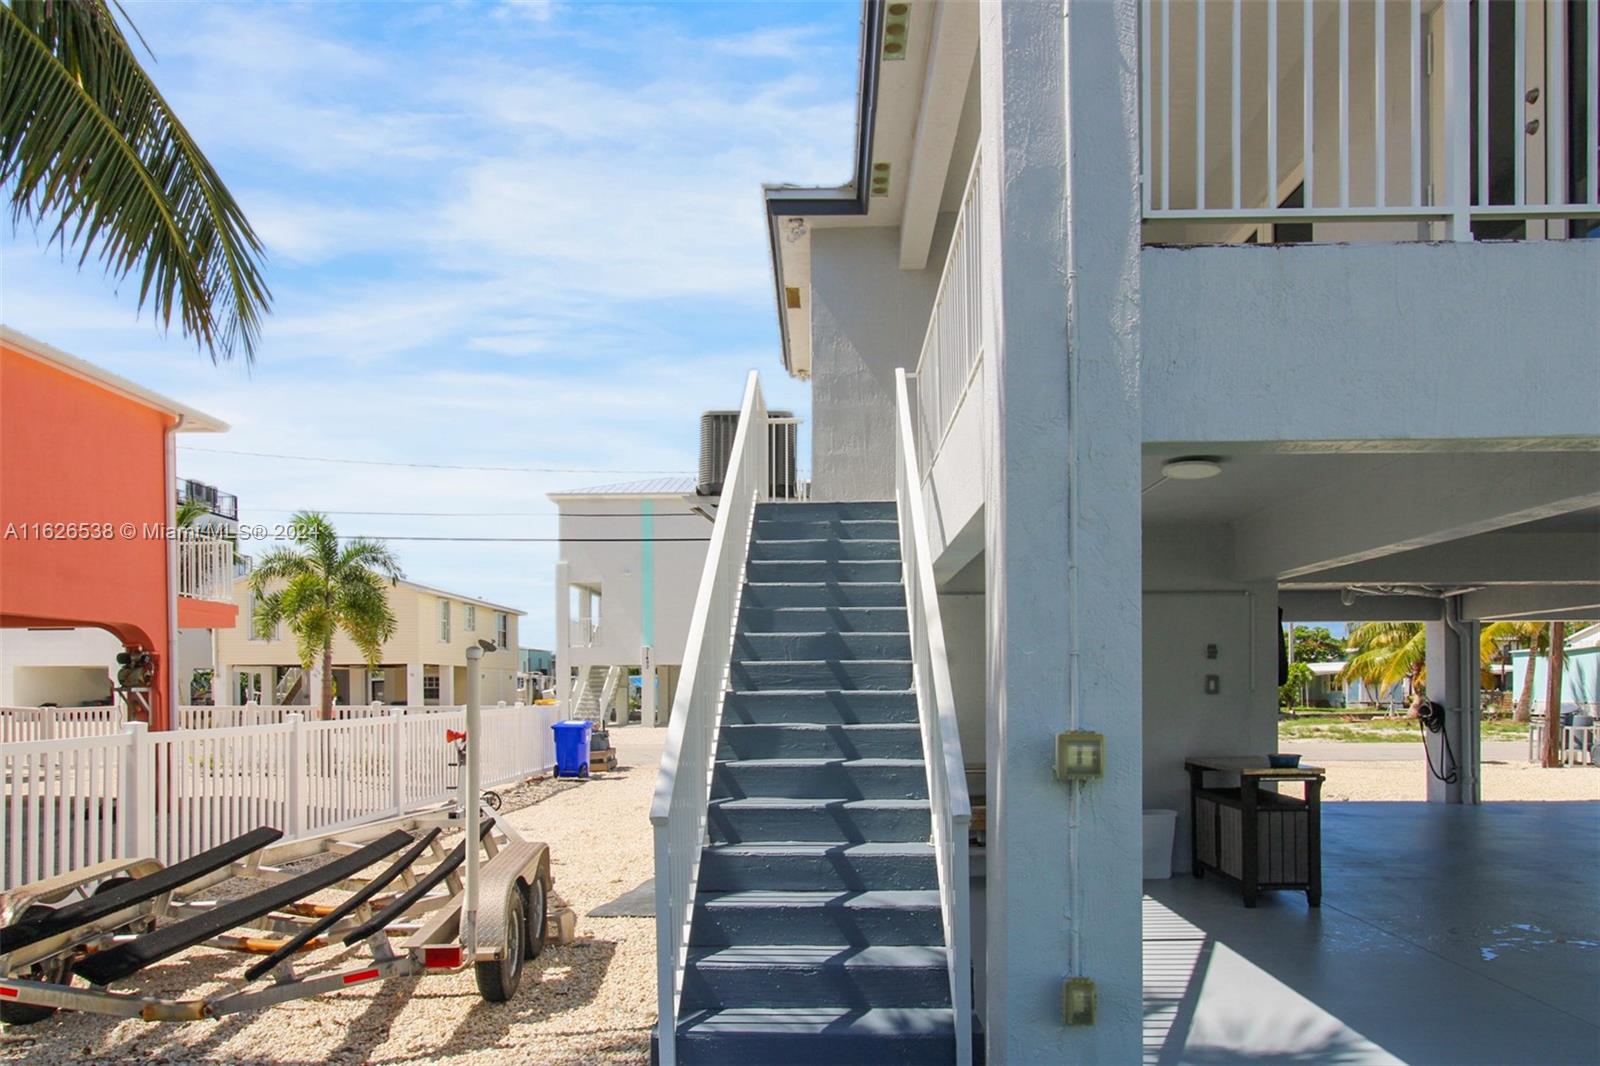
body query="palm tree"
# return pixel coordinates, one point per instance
(1534, 636)
(319, 588)
(1387, 653)
(91, 151)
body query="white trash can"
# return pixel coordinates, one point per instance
(1160, 826)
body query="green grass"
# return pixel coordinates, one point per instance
(1323, 724)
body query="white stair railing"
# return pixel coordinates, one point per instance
(936, 714)
(683, 788)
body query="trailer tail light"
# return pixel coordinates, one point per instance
(360, 975)
(12, 992)
(442, 957)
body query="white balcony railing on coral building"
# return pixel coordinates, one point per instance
(1458, 118)
(205, 565)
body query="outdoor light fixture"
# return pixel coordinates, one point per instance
(1191, 468)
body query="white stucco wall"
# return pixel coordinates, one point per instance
(1452, 340)
(618, 567)
(868, 317)
(62, 666)
(1190, 602)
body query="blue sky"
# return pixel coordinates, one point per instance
(523, 235)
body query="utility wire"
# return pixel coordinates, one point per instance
(431, 466)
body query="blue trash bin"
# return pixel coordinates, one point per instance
(572, 748)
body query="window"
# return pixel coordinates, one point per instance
(444, 621)
(430, 686)
(502, 630)
(472, 618)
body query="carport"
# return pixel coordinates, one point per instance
(1449, 931)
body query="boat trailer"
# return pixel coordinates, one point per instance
(419, 914)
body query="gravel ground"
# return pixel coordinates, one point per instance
(1390, 779)
(592, 1001)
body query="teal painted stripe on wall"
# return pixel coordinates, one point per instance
(647, 572)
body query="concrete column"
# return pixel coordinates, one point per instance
(619, 701)
(560, 674)
(1453, 682)
(447, 684)
(648, 701)
(1062, 536)
(413, 685)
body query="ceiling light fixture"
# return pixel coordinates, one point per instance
(1191, 468)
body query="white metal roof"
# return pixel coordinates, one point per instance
(193, 421)
(1326, 669)
(1588, 637)
(656, 486)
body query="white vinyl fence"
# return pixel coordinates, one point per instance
(19, 724)
(73, 801)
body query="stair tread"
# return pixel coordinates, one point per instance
(790, 847)
(811, 956)
(816, 762)
(865, 727)
(783, 803)
(883, 899)
(886, 1022)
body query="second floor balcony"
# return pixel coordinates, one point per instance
(1283, 121)
(205, 565)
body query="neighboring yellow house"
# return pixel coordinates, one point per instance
(424, 663)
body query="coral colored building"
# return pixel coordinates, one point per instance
(86, 498)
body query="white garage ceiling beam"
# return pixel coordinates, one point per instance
(1490, 558)
(1326, 605)
(1411, 503)
(1537, 602)
(950, 57)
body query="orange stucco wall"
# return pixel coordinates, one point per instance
(72, 451)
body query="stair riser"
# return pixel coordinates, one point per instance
(835, 825)
(817, 676)
(830, 742)
(807, 1049)
(808, 781)
(861, 987)
(825, 708)
(836, 551)
(848, 926)
(777, 647)
(836, 871)
(825, 594)
(830, 529)
(825, 512)
(753, 620)
(792, 570)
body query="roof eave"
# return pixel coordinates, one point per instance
(789, 201)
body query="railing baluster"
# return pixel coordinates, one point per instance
(1591, 145)
(1519, 141)
(1166, 105)
(1344, 103)
(1200, 104)
(1482, 197)
(1144, 104)
(1415, 46)
(1308, 103)
(1237, 103)
(1272, 103)
(1380, 127)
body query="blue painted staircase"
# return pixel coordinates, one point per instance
(816, 935)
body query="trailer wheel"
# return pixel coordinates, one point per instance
(498, 980)
(538, 915)
(55, 971)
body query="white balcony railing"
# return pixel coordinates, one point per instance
(205, 566)
(936, 713)
(1449, 115)
(952, 347)
(583, 632)
(678, 811)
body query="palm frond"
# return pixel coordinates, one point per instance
(88, 142)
